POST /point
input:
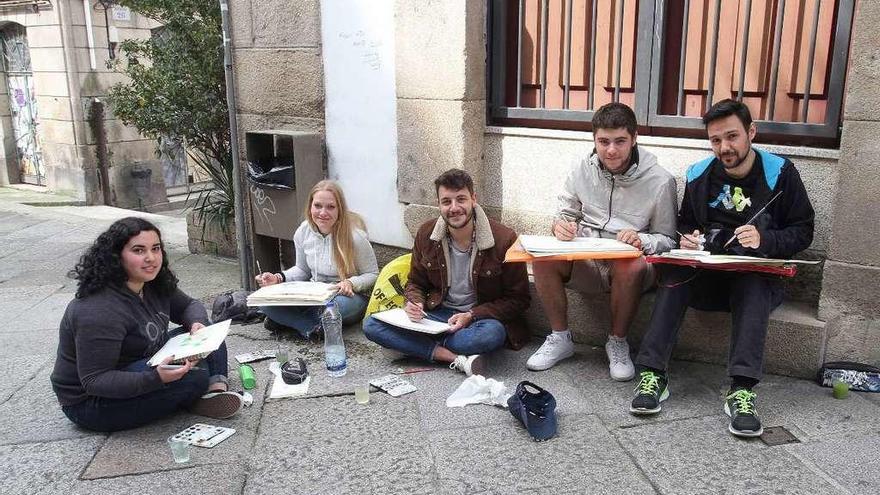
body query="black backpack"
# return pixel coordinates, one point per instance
(232, 304)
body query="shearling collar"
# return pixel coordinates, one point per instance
(485, 239)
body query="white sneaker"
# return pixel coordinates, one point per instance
(619, 363)
(554, 349)
(469, 365)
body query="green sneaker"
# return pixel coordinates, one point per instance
(650, 392)
(740, 408)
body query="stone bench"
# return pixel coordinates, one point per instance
(795, 339)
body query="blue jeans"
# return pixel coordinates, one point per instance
(480, 337)
(104, 414)
(304, 319)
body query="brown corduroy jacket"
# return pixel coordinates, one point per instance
(502, 288)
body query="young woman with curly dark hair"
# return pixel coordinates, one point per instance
(125, 298)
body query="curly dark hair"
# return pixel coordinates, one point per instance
(101, 265)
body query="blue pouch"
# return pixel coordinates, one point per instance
(860, 377)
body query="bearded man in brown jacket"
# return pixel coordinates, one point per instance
(458, 276)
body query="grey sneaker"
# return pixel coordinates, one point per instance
(620, 364)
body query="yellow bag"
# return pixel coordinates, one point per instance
(388, 291)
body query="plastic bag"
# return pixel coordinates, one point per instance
(477, 389)
(277, 173)
(388, 291)
(232, 305)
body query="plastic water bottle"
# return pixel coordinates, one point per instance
(334, 346)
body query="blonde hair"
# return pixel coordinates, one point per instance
(346, 221)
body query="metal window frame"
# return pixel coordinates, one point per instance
(498, 67)
(828, 129)
(650, 45)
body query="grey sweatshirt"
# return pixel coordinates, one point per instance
(106, 331)
(314, 259)
(643, 199)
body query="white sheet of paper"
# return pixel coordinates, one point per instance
(281, 390)
(550, 244)
(708, 258)
(398, 318)
(185, 345)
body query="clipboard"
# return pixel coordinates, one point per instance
(516, 254)
(783, 271)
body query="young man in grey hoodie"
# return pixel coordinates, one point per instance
(620, 192)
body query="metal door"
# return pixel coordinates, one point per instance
(23, 104)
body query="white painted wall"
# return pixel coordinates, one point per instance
(357, 39)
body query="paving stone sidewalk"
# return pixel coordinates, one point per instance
(326, 443)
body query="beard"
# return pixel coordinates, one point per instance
(467, 218)
(739, 159)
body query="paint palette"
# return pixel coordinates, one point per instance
(202, 435)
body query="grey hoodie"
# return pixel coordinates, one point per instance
(643, 199)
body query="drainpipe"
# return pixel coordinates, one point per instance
(90, 33)
(244, 251)
(96, 122)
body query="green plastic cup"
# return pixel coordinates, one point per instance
(839, 387)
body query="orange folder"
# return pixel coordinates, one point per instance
(516, 254)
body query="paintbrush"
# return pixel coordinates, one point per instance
(753, 218)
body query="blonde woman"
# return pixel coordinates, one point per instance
(332, 247)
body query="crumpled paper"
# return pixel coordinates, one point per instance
(478, 389)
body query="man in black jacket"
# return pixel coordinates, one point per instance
(722, 194)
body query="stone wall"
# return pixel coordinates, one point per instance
(278, 69)
(65, 85)
(441, 106)
(850, 292)
(279, 83)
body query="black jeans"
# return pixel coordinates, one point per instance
(748, 296)
(103, 414)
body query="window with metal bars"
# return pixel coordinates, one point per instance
(552, 62)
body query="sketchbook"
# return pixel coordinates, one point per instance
(708, 258)
(398, 318)
(297, 293)
(545, 245)
(189, 345)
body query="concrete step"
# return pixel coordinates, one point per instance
(180, 198)
(795, 343)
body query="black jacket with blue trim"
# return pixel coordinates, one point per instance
(786, 227)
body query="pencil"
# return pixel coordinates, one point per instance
(424, 315)
(753, 218)
(689, 237)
